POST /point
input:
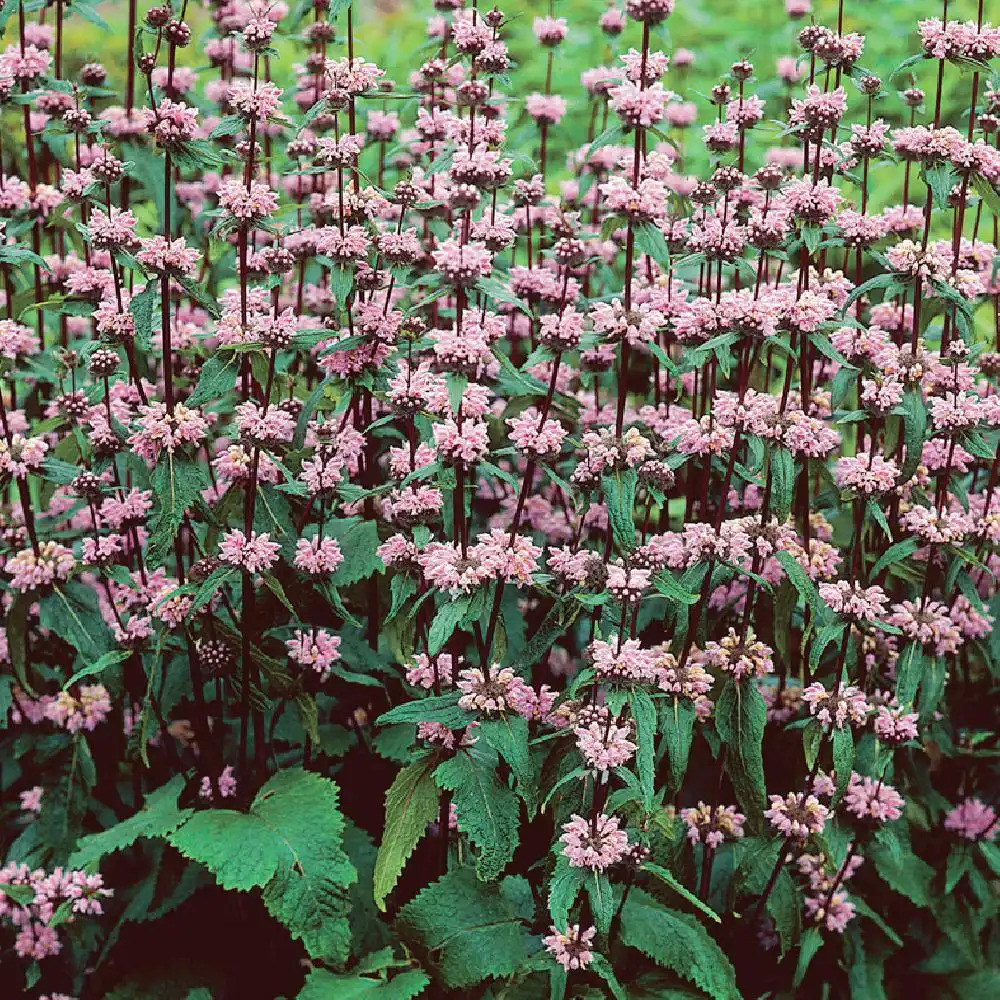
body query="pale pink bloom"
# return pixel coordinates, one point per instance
(318, 649)
(53, 563)
(31, 799)
(596, 846)
(973, 820)
(797, 815)
(604, 746)
(489, 696)
(226, 784)
(318, 556)
(871, 800)
(711, 825)
(571, 948)
(254, 554)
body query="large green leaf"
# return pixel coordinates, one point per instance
(158, 817)
(740, 717)
(410, 804)
(677, 942)
(487, 810)
(290, 844)
(472, 930)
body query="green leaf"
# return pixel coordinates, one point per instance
(782, 482)
(784, 907)
(290, 844)
(472, 931)
(644, 713)
(72, 612)
(602, 967)
(229, 125)
(740, 716)
(678, 942)
(619, 493)
(649, 239)
(666, 876)
(99, 666)
(217, 379)
(806, 588)
(940, 178)
(358, 540)
(909, 671)
(914, 431)
(843, 758)
(487, 811)
(177, 484)
(677, 726)
(141, 307)
(323, 985)
(452, 615)
(410, 804)
(564, 887)
(812, 941)
(602, 899)
(508, 735)
(20, 894)
(437, 708)
(895, 553)
(158, 817)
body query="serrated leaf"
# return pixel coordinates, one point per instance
(158, 817)
(290, 845)
(437, 708)
(411, 803)
(72, 612)
(358, 540)
(472, 931)
(619, 493)
(487, 811)
(644, 713)
(677, 725)
(216, 380)
(677, 942)
(508, 735)
(740, 717)
(666, 876)
(323, 985)
(177, 484)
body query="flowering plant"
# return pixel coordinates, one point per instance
(474, 534)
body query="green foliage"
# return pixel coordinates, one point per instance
(290, 845)
(740, 717)
(471, 930)
(487, 810)
(677, 942)
(410, 804)
(159, 817)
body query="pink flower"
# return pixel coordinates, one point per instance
(871, 800)
(28, 571)
(489, 695)
(797, 815)
(318, 649)
(604, 746)
(740, 657)
(31, 799)
(712, 825)
(596, 845)
(318, 556)
(973, 820)
(254, 554)
(226, 784)
(571, 949)
(546, 110)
